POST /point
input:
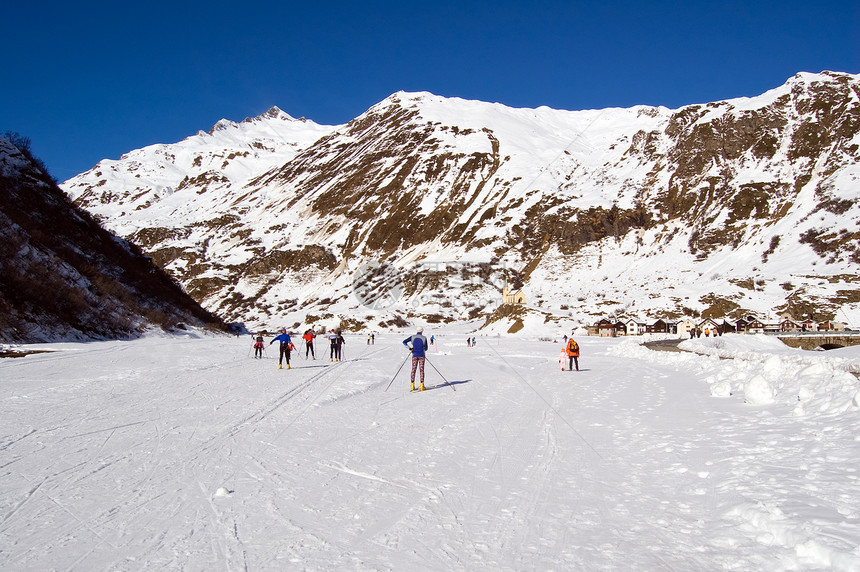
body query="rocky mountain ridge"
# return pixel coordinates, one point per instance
(431, 205)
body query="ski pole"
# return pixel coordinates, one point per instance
(440, 373)
(398, 371)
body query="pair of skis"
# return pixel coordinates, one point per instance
(425, 387)
(429, 387)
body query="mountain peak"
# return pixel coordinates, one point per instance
(222, 125)
(274, 112)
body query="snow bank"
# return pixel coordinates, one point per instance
(777, 529)
(763, 348)
(765, 371)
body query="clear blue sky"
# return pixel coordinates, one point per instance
(92, 80)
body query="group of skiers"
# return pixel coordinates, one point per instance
(286, 346)
(697, 332)
(417, 344)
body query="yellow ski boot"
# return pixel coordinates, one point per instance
(280, 366)
(412, 387)
(422, 388)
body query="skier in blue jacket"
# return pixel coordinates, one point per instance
(419, 347)
(286, 346)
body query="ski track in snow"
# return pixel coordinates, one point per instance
(189, 454)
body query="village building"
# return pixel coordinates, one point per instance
(606, 328)
(685, 326)
(788, 325)
(831, 326)
(515, 297)
(658, 327)
(755, 327)
(771, 327)
(635, 327)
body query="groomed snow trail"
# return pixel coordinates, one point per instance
(189, 454)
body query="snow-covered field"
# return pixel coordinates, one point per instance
(187, 453)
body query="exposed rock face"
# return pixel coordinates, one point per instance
(794, 143)
(64, 277)
(617, 200)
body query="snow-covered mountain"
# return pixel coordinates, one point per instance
(215, 163)
(62, 276)
(426, 207)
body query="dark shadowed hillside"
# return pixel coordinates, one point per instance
(62, 276)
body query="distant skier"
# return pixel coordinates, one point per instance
(259, 346)
(286, 347)
(468, 342)
(419, 349)
(373, 339)
(432, 340)
(309, 337)
(339, 342)
(473, 341)
(572, 350)
(332, 338)
(368, 339)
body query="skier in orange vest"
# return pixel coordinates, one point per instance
(572, 350)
